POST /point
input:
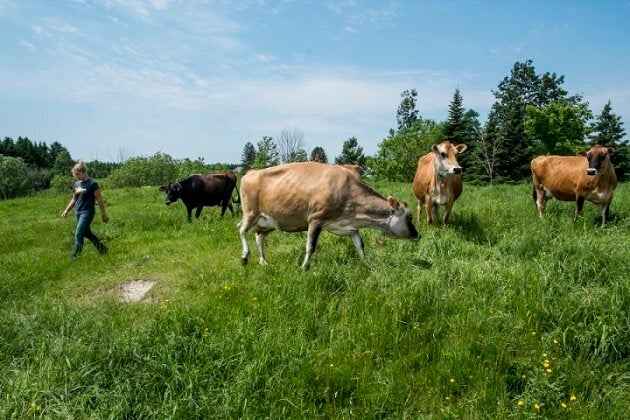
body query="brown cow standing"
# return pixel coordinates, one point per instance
(312, 196)
(438, 180)
(588, 176)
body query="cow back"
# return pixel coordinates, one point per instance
(291, 193)
(560, 175)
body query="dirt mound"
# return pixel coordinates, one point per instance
(136, 290)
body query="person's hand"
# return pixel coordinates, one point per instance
(105, 218)
(64, 214)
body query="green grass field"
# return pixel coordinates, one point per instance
(500, 314)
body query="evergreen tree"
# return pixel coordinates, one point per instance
(463, 127)
(522, 88)
(248, 157)
(454, 127)
(318, 154)
(63, 163)
(300, 156)
(54, 150)
(407, 113)
(351, 153)
(25, 150)
(607, 130)
(6, 147)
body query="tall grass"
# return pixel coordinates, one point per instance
(498, 314)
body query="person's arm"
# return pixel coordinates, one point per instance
(69, 206)
(101, 205)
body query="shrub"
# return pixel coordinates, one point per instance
(15, 179)
(144, 171)
(62, 183)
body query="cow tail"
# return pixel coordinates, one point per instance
(238, 195)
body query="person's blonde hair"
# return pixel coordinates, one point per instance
(79, 167)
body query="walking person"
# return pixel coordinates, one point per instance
(85, 193)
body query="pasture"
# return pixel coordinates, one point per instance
(499, 314)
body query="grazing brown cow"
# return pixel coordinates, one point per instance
(312, 196)
(588, 176)
(438, 180)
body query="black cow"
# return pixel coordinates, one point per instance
(201, 190)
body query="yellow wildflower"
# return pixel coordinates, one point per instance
(520, 403)
(572, 398)
(537, 407)
(563, 405)
(452, 380)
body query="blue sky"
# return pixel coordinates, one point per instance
(120, 78)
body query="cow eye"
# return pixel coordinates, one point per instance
(443, 154)
(589, 156)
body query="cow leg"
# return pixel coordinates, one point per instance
(198, 212)
(314, 229)
(428, 208)
(605, 213)
(541, 200)
(243, 226)
(189, 210)
(358, 243)
(419, 210)
(579, 203)
(229, 204)
(434, 211)
(447, 211)
(260, 238)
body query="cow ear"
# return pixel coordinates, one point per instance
(435, 148)
(404, 204)
(162, 188)
(461, 148)
(393, 203)
(611, 150)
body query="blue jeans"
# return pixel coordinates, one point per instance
(84, 219)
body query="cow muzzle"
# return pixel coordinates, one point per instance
(591, 172)
(457, 170)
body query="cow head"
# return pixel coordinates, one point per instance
(446, 158)
(173, 191)
(596, 156)
(400, 224)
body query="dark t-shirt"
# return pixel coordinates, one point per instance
(84, 193)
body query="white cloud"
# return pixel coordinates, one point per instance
(27, 45)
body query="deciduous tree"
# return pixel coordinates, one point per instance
(267, 153)
(290, 144)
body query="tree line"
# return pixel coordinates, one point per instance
(532, 115)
